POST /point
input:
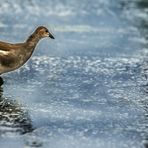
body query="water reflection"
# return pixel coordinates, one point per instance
(13, 118)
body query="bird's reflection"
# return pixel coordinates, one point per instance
(12, 116)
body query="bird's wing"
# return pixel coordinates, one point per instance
(6, 58)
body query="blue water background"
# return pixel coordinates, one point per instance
(85, 89)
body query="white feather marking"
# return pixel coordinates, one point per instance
(4, 52)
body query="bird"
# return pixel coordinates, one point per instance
(13, 56)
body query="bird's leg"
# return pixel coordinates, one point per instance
(1, 81)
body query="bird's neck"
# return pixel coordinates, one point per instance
(33, 39)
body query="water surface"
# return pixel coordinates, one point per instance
(88, 87)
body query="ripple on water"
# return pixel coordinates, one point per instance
(79, 98)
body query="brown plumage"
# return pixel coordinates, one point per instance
(13, 56)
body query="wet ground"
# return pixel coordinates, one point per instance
(86, 89)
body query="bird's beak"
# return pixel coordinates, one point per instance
(51, 36)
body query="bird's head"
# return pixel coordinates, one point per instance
(44, 32)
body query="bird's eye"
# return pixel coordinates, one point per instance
(46, 31)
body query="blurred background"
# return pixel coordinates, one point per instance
(86, 89)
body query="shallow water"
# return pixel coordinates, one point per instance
(87, 88)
